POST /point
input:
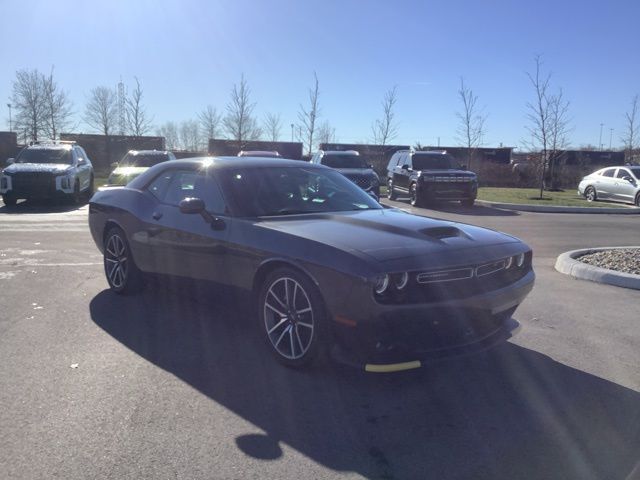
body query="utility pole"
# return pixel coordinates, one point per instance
(610, 137)
(600, 142)
(9, 105)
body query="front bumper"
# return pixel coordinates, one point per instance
(449, 190)
(396, 334)
(36, 186)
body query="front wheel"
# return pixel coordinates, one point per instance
(468, 202)
(76, 197)
(123, 275)
(590, 194)
(415, 196)
(9, 201)
(291, 317)
(637, 201)
(391, 193)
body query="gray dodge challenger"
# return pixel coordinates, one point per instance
(331, 271)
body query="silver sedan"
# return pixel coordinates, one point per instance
(617, 184)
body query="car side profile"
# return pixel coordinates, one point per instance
(351, 165)
(614, 184)
(428, 176)
(135, 162)
(48, 170)
(329, 269)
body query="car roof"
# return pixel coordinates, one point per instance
(148, 152)
(50, 146)
(340, 152)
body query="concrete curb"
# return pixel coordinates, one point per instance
(567, 264)
(559, 209)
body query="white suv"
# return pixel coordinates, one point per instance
(47, 170)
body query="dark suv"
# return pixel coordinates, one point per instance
(351, 165)
(428, 177)
(47, 170)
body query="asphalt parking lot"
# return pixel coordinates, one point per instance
(173, 384)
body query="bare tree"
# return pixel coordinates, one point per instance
(558, 131)
(548, 120)
(309, 116)
(101, 111)
(471, 127)
(239, 121)
(326, 133)
(57, 107)
(138, 122)
(210, 121)
(385, 129)
(190, 135)
(632, 130)
(272, 126)
(169, 131)
(29, 101)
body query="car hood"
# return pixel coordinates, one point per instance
(356, 171)
(388, 234)
(38, 168)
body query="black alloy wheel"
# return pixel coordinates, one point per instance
(391, 193)
(291, 317)
(590, 194)
(9, 201)
(123, 275)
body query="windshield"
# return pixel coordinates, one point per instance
(431, 162)
(143, 160)
(42, 155)
(292, 190)
(343, 161)
(635, 171)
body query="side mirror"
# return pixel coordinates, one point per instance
(11, 161)
(82, 161)
(405, 167)
(629, 179)
(192, 205)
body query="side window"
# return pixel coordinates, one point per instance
(609, 172)
(158, 187)
(79, 154)
(622, 173)
(393, 162)
(84, 154)
(181, 186)
(407, 160)
(208, 190)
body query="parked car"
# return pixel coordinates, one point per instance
(135, 162)
(615, 184)
(429, 176)
(47, 170)
(351, 165)
(259, 153)
(328, 267)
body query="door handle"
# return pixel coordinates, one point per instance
(156, 215)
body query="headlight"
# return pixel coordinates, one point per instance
(508, 263)
(381, 284)
(520, 260)
(400, 280)
(65, 182)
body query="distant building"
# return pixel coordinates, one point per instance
(480, 154)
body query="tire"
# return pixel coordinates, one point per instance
(590, 194)
(468, 203)
(391, 193)
(291, 318)
(9, 201)
(122, 273)
(637, 200)
(76, 197)
(414, 195)
(90, 190)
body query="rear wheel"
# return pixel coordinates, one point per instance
(123, 275)
(391, 193)
(90, 188)
(468, 202)
(637, 202)
(291, 318)
(9, 201)
(590, 194)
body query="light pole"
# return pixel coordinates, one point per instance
(9, 105)
(610, 137)
(292, 132)
(600, 142)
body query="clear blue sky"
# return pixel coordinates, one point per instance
(188, 54)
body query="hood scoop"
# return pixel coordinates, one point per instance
(440, 233)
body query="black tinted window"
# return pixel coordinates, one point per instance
(343, 161)
(159, 186)
(431, 162)
(181, 186)
(622, 173)
(609, 172)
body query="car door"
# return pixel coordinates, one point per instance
(189, 245)
(401, 175)
(625, 186)
(605, 184)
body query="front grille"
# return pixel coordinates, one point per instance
(33, 184)
(459, 283)
(448, 178)
(363, 182)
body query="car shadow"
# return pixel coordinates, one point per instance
(33, 206)
(508, 413)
